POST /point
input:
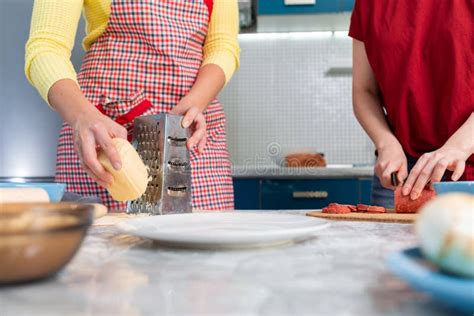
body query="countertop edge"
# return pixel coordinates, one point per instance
(265, 172)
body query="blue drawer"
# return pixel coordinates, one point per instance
(247, 194)
(321, 6)
(308, 194)
(365, 186)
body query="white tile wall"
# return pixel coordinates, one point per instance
(283, 99)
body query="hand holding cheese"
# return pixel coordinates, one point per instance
(131, 180)
(445, 229)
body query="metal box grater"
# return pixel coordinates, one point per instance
(160, 141)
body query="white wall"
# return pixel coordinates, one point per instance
(293, 91)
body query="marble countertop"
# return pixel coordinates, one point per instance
(275, 172)
(341, 271)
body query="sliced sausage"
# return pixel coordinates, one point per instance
(376, 209)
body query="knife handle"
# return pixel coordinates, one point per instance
(394, 179)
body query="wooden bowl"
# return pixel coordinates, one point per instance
(305, 160)
(38, 239)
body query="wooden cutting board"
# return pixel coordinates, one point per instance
(390, 217)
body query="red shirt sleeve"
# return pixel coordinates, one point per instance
(357, 29)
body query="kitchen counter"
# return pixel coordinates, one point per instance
(342, 271)
(275, 172)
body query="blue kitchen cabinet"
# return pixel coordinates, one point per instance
(279, 194)
(247, 194)
(365, 187)
(308, 194)
(269, 7)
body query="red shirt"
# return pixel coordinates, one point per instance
(421, 52)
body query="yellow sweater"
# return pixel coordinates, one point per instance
(54, 25)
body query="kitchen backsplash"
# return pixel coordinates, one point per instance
(293, 92)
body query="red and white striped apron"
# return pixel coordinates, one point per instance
(144, 63)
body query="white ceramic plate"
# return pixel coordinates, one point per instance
(224, 230)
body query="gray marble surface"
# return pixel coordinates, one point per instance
(341, 271)
(275, 172)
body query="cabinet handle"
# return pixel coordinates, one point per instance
(310, 195)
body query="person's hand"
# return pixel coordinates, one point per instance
(194, 118)
(391, 158)
(431, 168)
(92, 130)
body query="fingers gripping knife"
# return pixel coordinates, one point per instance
(160, 141)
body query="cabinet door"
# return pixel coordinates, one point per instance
(321, 6)
(308, 194)
(365, 186)
(247, 194)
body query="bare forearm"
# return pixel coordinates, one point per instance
(369, 113)
(67, 99)
(463, 138)
(210, 80)
(209, 83)
(366, 100)
(90, 128)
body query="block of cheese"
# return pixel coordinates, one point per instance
(131, 180)
(23, 195)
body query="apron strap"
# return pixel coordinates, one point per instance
(210, 6)
(141, 108)
(127, 118)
